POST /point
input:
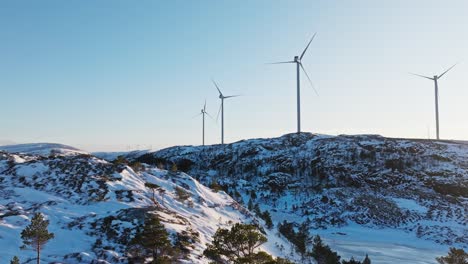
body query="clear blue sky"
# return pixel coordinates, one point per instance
(106, 75)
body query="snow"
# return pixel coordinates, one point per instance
(61, 188)
(410, 205)
(70, 222)
(42, 149)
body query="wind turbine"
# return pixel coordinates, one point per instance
(222, 97)
(203, 113)
(435, 79)
(298, 61)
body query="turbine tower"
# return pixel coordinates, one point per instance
(203, 113)
(436, 86)
(222, 97)
(298, 61)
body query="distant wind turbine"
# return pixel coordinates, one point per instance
(435, 79)
(298, 61)
(203, 113)
(222, 97)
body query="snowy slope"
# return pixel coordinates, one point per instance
(42, 149)
(94, 207)
(364, 194)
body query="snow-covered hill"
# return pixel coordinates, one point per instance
(95, 206)
(42, 149)
(398, 200)
(392, 198)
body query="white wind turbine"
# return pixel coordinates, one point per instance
(203, 113)
(298, 61)
(222, 97)
(436, 85)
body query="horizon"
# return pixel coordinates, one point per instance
(155, 149)
(125, 76)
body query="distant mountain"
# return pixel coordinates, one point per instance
(6, 142)
(364, 194)
(41, 149)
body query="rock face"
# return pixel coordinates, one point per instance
(418, 187)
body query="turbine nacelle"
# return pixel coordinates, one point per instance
(297, 59)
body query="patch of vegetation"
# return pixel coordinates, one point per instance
(182, 194)
(455, 256)
(151, 240)
(239, 245)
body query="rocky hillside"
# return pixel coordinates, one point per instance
(94, 206)
(395, 199)
(370, 189)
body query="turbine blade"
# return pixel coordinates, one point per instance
(302, 55)
(440, 76)
(230, 96)
(204, 107)
(197, 115)
(219, 111)
(281, 62)
(209, 116)
(310, 81)
(215, 84)
(421, 76)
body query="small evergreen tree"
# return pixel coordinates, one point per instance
(36, 234)
(120, 160)
(366, 260)
(257, 210)
(351, 261)
(174, 168)
(154, 238)
(153, 187)
(250, 205)
(15, 260)
(455, 256)
(323, 254)
(215, 186)
(267, 217)
(181, 194)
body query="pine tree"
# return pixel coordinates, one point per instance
(36, 234)
(154, 238)
(257, 210)
(250, 205)
(323, 254)
(267, 217)
(366, 260)
(15, 260)
(455, 256)
(351, 261)
(238, 244)
(153, 187)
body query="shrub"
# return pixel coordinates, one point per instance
(455, 256)
(182, 194)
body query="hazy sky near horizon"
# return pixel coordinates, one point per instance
(117, 75)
